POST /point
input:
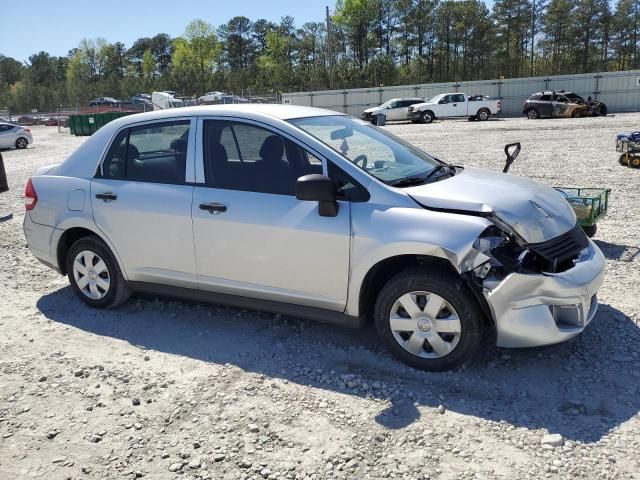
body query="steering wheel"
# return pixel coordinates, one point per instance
(361, 158)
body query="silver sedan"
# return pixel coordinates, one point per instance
(14, 136)
(314, 214)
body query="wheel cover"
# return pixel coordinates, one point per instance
(426, 117)
(425, 324)
(22, 142)
(483, 115)
(532, 114)
(91, 275)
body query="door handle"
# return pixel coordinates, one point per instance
(106, 196)
(213, 207)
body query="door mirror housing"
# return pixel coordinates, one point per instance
(321, 189)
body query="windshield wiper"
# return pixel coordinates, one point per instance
(409, 181)
(439, 168)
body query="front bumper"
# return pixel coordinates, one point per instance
(543, 309)
(414, 115)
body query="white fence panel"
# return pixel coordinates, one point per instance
(619, 90)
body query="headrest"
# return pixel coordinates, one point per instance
(272, 149)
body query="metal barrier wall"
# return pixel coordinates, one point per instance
(619, 90)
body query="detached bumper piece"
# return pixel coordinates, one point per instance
(541, 309)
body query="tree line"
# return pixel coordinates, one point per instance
(368, 43)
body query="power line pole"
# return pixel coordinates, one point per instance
(330, 48)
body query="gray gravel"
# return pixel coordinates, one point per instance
(175, 390)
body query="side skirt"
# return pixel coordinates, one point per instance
(236, 301)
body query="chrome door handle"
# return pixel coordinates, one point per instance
(213, 207)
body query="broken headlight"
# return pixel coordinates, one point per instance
(503, 251)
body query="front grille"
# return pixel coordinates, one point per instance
(558, 253)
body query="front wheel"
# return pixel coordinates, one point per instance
(429, 319)
(426, 117)
(634, 161)
(94, 274)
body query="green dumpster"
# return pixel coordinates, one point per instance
(88, 124)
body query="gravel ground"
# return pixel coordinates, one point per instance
(167, 389)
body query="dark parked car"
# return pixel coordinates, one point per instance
(141, 99)
(561, 104)
(104, 102)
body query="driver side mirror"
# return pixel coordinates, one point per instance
(321, 189)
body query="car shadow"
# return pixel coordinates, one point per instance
(622, 253)
(581, 389)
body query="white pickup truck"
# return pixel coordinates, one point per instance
(451, 105)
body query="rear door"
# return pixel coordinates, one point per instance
(141, 201)
(7, 138)
(458, 104)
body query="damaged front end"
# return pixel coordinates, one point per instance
(537, 293)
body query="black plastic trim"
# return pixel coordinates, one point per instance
(300, 311)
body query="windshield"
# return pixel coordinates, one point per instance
(377, 152)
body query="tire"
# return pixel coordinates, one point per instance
(634, 161)
(426, 117)
(623, 160)
(603, 110)
(92, 250)
(483, 115)
(21, 143)
(590, 230)
(533, 114)
(419, 286)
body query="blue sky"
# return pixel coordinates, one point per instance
(58, 26)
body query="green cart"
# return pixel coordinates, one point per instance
(589, 205)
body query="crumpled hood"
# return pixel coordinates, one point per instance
(535, 211)
(373, 110)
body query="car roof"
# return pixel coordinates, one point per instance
(279, 111)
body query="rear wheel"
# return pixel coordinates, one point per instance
(21, 143)
(590, 230)
(426, 117)
(634, 161)
(429, 319)
(94, 274)
(533, 114)
(483, 115)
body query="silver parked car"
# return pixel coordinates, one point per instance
(14, 136)
(393, 110)
(318, 215)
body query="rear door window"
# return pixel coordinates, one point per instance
(149, 153)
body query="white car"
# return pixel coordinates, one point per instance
(455, 104)
(393, 110)
(14, 136)
(315, 214)
(211, 97)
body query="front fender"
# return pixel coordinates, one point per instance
(381, 232)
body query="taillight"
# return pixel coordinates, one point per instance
(30, 196)
(28, 130)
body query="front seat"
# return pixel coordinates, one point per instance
(272, 168)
